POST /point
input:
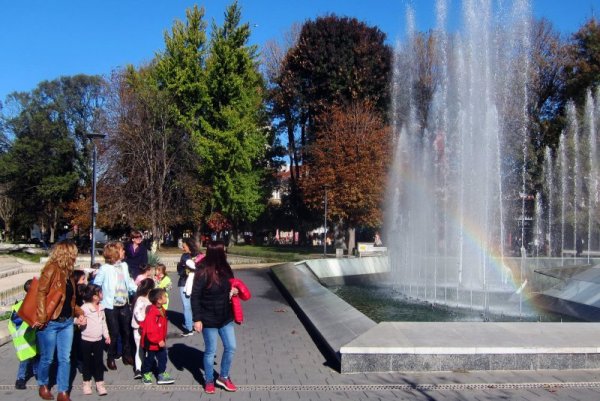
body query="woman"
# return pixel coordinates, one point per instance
(136, 254)
(55, 332)
(212, 313)
(190, 251)
(116, 285)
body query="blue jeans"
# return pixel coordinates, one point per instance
(56, 336)
(227, 335)
(24, 368)
(188, 324)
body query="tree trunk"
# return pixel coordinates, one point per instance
(351, 240)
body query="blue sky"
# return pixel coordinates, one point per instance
(44, 39)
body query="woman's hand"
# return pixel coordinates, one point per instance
(38, 325)
(81, 320)
(198, 326)
(234, 291)
(107, 341)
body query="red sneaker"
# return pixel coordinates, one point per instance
(226, 383)
(209, 388)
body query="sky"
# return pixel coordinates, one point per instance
(45, 39)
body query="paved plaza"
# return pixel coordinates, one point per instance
(277, 359)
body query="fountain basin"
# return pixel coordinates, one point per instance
(361, 345)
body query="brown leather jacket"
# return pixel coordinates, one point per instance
(54, 277)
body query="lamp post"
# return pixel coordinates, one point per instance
(325, 227)
(92, 138)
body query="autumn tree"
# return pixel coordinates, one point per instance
(145, 168)
(349, 158)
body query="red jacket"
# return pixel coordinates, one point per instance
(154, 328)
(243, 295)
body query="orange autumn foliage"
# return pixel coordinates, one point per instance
(349, 157)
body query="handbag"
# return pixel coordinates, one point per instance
(28, 309)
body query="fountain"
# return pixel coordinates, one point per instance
(466, 223)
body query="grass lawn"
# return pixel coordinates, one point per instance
(281, 253)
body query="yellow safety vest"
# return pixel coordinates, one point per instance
(23, 337)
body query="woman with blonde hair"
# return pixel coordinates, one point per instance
(116, 284)
(55, 332)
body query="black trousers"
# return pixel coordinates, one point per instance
(91, 353)
(118, 321)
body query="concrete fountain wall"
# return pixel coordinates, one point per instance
(361, 345)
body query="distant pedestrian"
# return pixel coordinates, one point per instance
(154, 337)
(212, 314)
(136, 253)
(23, 338)
(142, 303)
(93, 337)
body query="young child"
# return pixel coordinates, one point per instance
(23, 338)
(145, 272)
(153, 338)
(163, 281)
(139, 315)
(93, 337)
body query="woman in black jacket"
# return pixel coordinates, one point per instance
(212, 314)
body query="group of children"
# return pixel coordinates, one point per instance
(149, 324)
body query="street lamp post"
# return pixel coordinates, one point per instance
(92, 137)
(325, 228)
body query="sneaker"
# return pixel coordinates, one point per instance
(147, 378)
(165, 378)
(209, 388)
(20, 384)
(187, 333)
(226, 383)
(137, 375)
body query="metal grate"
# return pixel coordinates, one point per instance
(347, 387)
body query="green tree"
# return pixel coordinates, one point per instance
(233, 139)
(583, 67)
(40, 165)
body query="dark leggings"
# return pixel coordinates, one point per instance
(91, 353)
(118, 321)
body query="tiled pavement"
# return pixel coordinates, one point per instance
(278, 360)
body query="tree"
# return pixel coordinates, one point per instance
(145, 171)
(233, 139)
(583, 67)
(338, 61)
(350, 157)
(46, 161)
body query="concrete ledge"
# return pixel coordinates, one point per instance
(426, 346)
(333, 320)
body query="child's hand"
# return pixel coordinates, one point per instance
(161, 344)
(107, 341)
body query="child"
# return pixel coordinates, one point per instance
(145, 272)
(163, 281)
(92, 345)
(139, 315)
(153, 338)
(23, 338)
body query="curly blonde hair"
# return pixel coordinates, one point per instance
(112, 252)
(64, 254)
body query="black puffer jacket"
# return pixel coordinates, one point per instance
(210, 305)
(182, 270)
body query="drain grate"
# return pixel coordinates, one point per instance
(347, 387)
